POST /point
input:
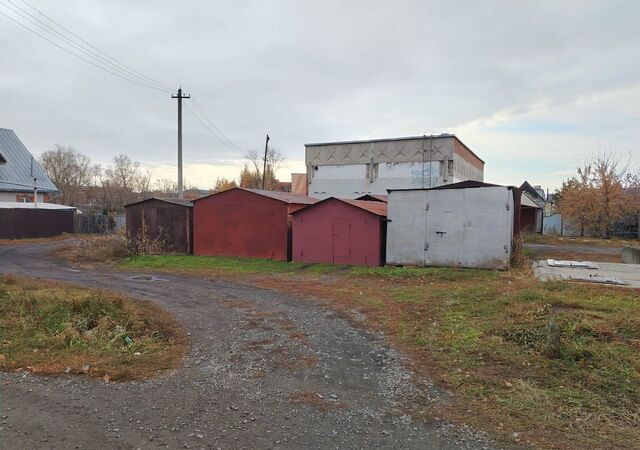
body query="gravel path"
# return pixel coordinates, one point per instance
(264, 370)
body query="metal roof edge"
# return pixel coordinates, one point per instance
(261, 194)
(364, 141)
(175, 201)
(345, 201)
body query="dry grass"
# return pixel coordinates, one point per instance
(109, 247)
(51, 328)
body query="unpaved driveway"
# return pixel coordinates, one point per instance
(265, 370)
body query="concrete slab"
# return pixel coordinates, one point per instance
(576, 264)
(606, 273)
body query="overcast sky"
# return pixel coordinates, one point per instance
(531, 88)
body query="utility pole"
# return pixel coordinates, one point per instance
(264, 167)
(179, 96)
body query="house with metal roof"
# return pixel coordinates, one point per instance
(20, 173)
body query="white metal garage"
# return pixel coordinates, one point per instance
(464, 224)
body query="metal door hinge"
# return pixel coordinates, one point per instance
(426, 246)
(426, 207)
(506, 205)
(506, 249)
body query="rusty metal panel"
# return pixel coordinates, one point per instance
(338, 232)
(22, 223)
(240, 222)
(168, 220)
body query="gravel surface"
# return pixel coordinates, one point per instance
(265, 370)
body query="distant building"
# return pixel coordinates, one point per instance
(20, 172)
(353, 168)
(533, 196)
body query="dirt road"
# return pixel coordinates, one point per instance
(265, 370)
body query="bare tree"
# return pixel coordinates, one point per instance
(69, 170)
(121, 182)
(251, 175)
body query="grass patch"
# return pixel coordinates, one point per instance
(48, 327)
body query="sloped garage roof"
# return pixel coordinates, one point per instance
(15, 173)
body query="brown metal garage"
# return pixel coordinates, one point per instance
(167, 218)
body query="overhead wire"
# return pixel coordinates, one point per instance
(95, 62)
(89, 53)
(215, 132)
(213, 125)
(105, 54)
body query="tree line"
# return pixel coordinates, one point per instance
(107, 188)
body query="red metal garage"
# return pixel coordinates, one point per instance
(337, 231)
(246, 222)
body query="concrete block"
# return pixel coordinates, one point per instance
(631, 255)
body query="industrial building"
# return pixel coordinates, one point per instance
(339, 231)
(167, 219)
(351, 169)
(467, 224)
(246, 222)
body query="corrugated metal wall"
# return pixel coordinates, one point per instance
(452, 227)
(334, 232)
(22, 223)
(168, 221)
(240, 223)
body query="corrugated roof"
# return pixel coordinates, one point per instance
(377, 208)
(374, 197)
(177, 201)
(286, 197)
(374, 207)
(15, 174)
(468, 184)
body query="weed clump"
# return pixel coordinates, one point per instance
(52, 328)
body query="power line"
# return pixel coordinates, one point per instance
(115, 60)
(57, 35)
(79, 56)
(215, 127)
(208, 127)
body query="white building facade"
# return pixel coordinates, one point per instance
(353, 168)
